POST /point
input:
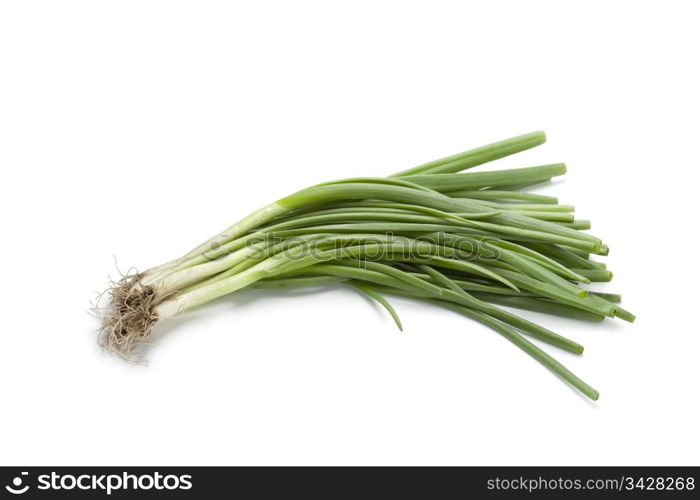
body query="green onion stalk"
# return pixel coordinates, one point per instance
(469, 241)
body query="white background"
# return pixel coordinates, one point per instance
(138, 129)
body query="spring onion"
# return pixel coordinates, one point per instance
(468, 241)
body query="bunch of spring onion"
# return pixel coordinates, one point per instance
(467, 241)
